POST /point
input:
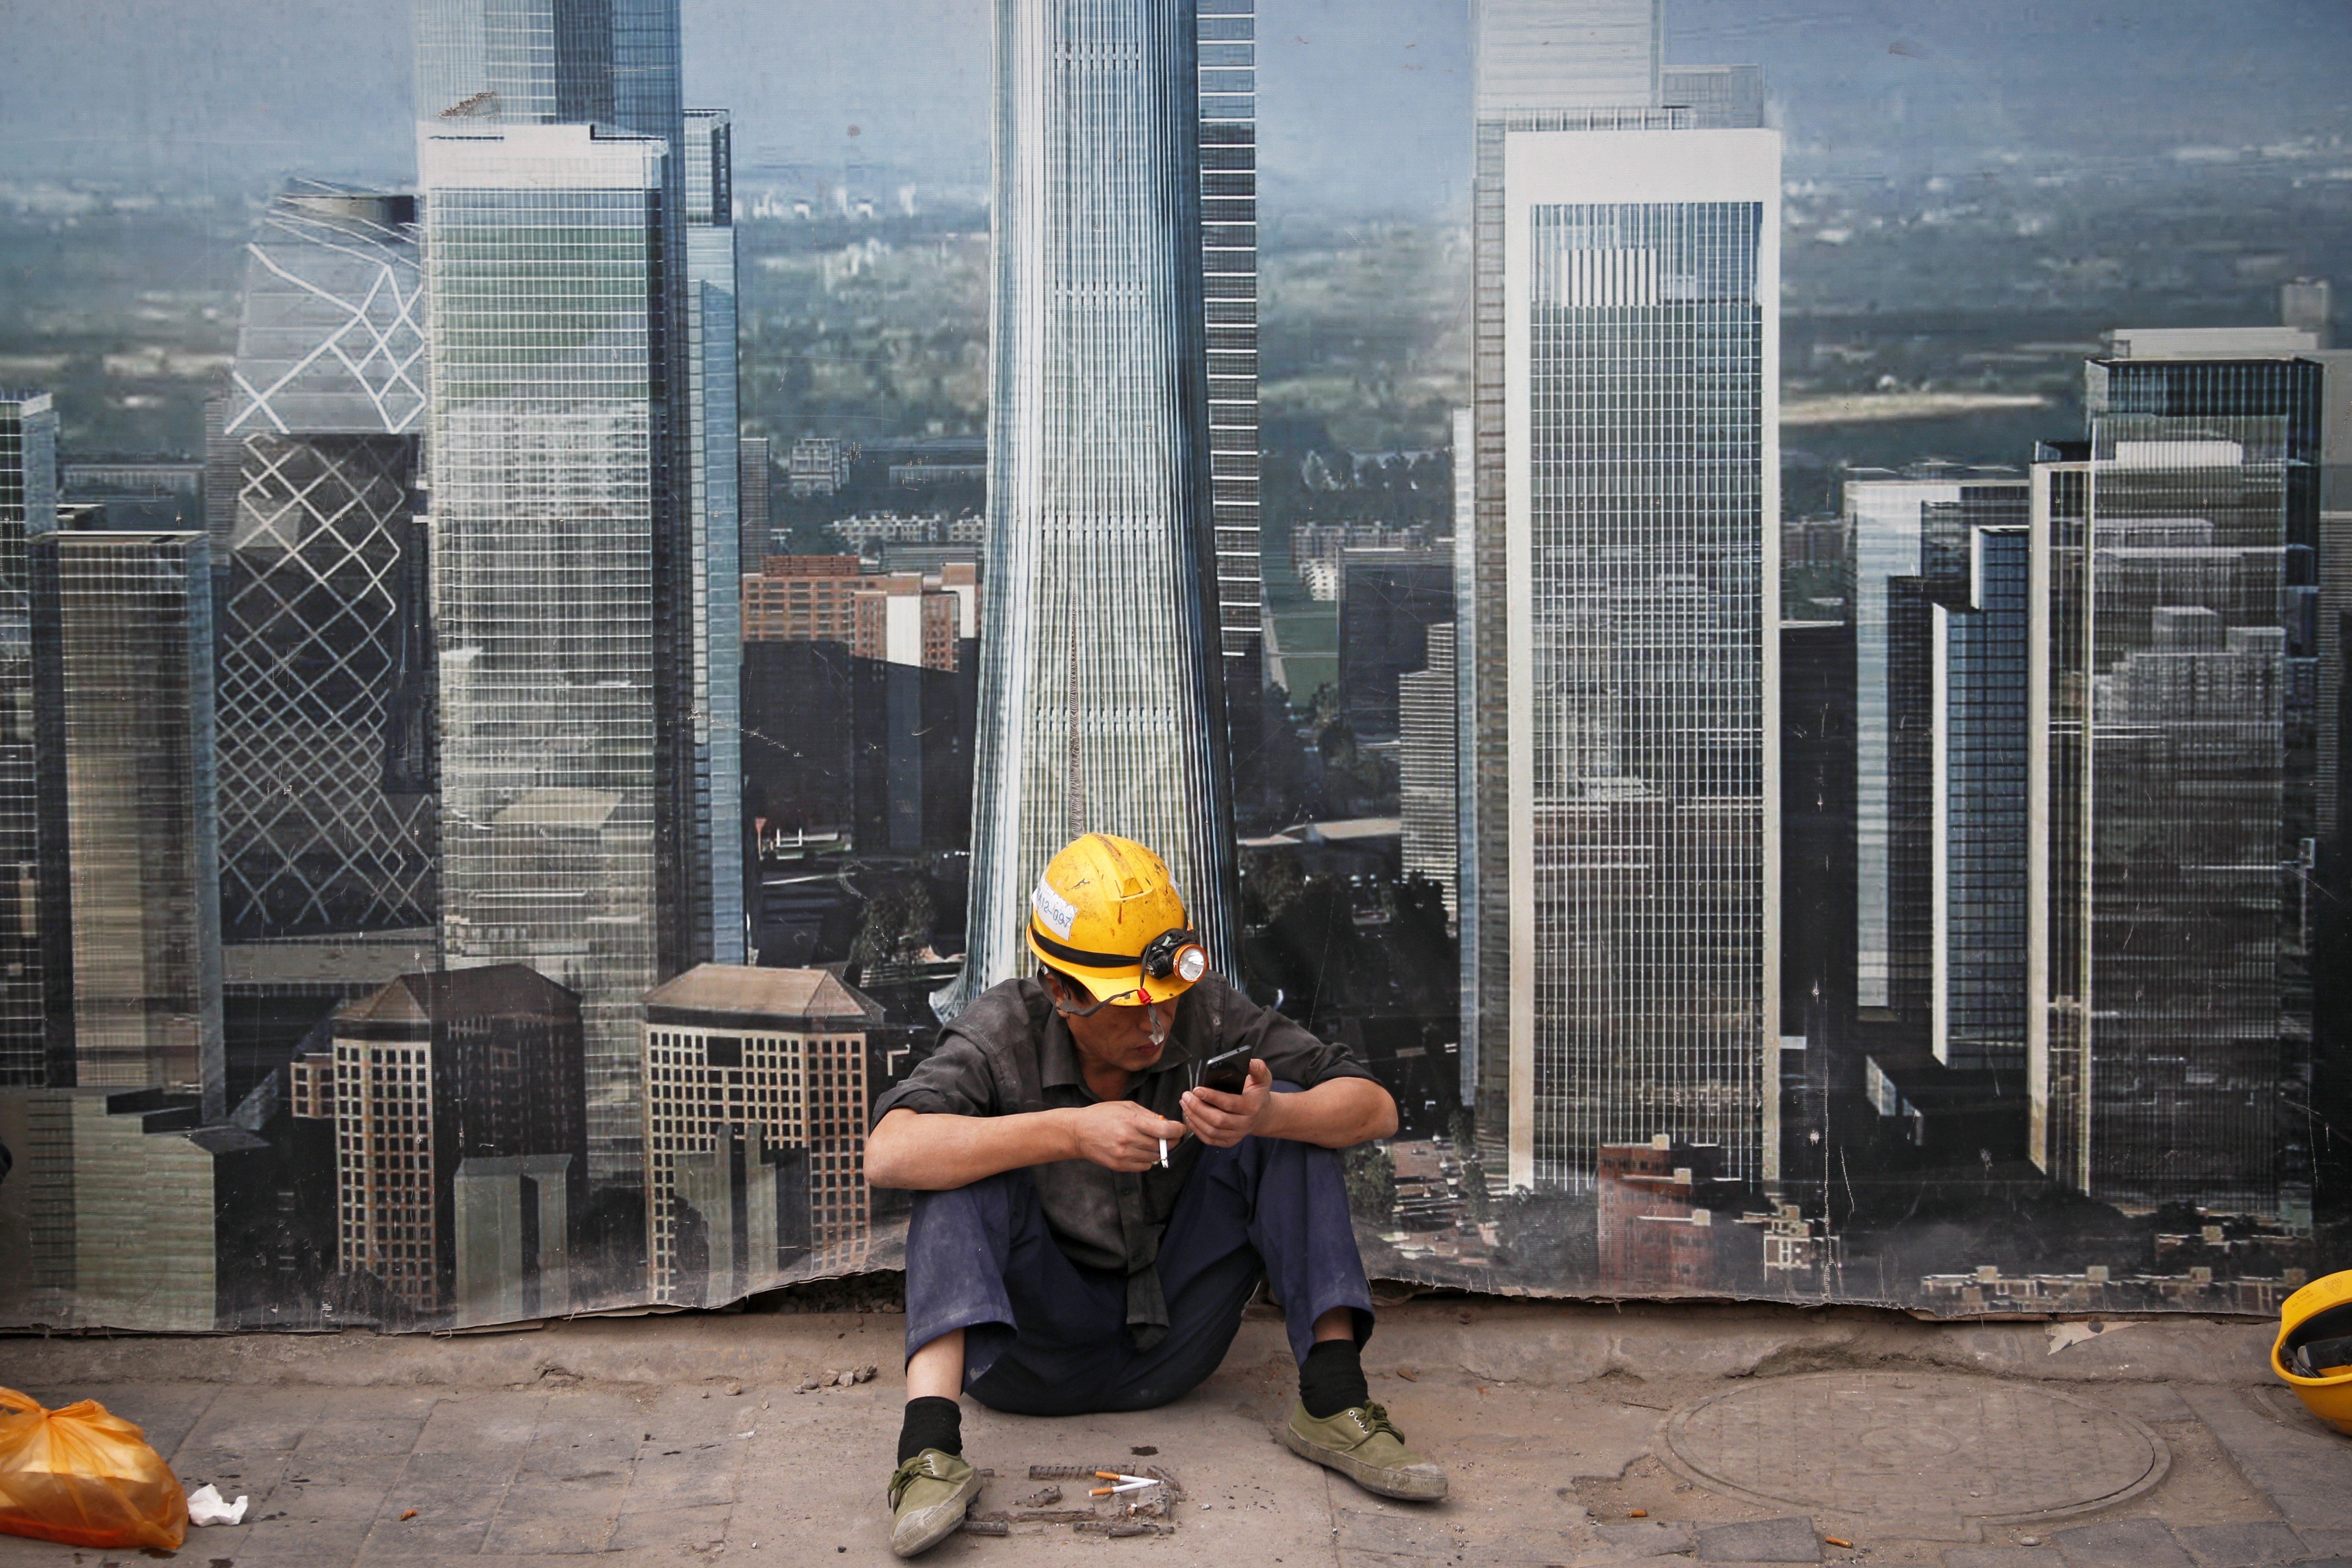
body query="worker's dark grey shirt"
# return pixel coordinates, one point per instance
(1009, 1052)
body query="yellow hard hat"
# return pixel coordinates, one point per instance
(1106, 915)
(2313, 1351)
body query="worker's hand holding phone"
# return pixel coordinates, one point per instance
(1231, 1097)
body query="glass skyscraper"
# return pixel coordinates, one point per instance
(542, 247)
(28, 505)
(713, 474)
(1978, 643)
(1624, 839)
(2203, 512)
(1101, 702)
(122, 658)
(327, 810)
(583, 541)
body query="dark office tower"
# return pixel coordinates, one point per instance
(1978, 649)
(1101, 708)
(1826, 1076)
(1387, 600)
(2203, 521)
(1915, 600)
(754, 500)
(441, 1082)
(324, 644)
(1625, 561)
(123, 713)
(29, 507)
(1228, 56)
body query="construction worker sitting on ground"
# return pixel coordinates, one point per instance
(1090, 1220)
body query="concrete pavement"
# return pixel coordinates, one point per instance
(1575, 1434)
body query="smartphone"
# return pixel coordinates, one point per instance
(1228, 1073)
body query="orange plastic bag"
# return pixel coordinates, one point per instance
(80, 1476)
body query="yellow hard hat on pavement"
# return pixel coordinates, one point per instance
(2314, 1352)
(1106, 915)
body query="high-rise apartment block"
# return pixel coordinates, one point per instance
(325, 701)
(130, 892)
(802, 598)
(755, 480)
(755, 1099)
(1426, 744)
(900, 617)
(1101, 699)
(819, 466)
(29, 507)
(440, 1081)
(1625, 558)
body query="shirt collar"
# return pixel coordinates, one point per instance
(1057, 1056)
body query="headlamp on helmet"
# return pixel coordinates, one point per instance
(1177, 953)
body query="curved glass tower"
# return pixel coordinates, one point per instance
(1101, 709)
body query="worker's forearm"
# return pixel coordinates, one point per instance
(932, 1151)
(1338, 1113)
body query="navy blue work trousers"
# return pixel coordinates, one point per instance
(1046, 1336)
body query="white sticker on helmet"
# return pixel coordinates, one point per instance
(1054, 913)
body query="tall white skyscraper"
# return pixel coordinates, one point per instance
(1622, 844)
(544, 311)
(580, 334)
(1101, 702)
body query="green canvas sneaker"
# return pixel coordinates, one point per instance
(928, 1494)
(1362, 1446)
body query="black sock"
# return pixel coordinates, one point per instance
(1331, 1379)
(934, 1422)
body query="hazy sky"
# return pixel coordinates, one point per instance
(1362, 100)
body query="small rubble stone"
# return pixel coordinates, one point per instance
(808, 1385)
(735, 1390)
(1760, 1540)
(2121, 1543)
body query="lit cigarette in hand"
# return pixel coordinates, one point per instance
(1163, 1153)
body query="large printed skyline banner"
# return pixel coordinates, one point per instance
(1752, 606)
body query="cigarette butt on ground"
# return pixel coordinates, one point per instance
(1106, 1475)
(1637, 1513)
(1833, 1541)
(410, 1514)
(1102, 1491)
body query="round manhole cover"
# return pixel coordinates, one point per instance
(1921, 1447)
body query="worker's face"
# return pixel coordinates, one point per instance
(1128, 1038)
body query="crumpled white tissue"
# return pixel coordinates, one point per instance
(206, 1506)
